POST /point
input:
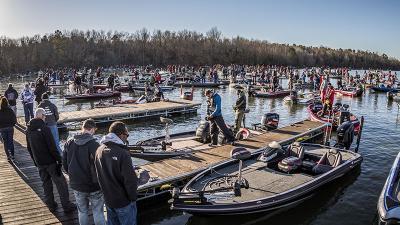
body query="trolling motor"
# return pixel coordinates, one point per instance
(345, 135)
(167, 141)
(240, 154)
(269, 121)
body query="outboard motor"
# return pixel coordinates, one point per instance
(345, 135)
(272, 155)
(344, 116)
(203, 132)
(317, 106)
(270, 121)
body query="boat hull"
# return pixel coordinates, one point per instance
(275, 94)
(388, 204)
(93, 96)
(268, 204)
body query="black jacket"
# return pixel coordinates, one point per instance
(41, 144)
(12, 95)
(39, 90)
(7, 118)
(78, 162)
(52, 115)
(116, 175)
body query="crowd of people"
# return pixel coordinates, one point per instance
(100, 174)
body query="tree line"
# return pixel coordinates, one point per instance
(93, 48)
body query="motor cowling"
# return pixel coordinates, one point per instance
(345, 135)
(344, 116)
(272, 156)
(317, 106)
(203, 132)
(270, 121)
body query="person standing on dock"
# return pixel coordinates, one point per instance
(214, 115)
(12, 95)
(78, 162)
(27, 98)
(7, 121)
(43, 151)
(116, 175)
(40, 89)
(239, 108)
(52, 117)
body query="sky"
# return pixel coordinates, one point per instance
(372, 25)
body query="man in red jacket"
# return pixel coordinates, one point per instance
(328, 98)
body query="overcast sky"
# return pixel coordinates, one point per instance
(357, 24)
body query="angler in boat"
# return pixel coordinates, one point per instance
(267, 180)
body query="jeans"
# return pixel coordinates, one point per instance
(28, 111)
(54, 132)
(49, 174)
(239, 115)
(217, 123)
(96, 200)
(122, 216)
(8, 141)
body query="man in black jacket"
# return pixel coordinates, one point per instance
(44, 154)
(116, 176)
(78, 162)
(12, 95)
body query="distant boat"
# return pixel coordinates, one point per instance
(384, 89)
(272, 94)
(197, 84)
(101, 95)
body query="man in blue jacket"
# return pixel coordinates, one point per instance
(214, 115)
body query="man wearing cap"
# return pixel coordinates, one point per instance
(239, 108)
(214, 115)
(78, 162)
(51, 118)
(42, 150)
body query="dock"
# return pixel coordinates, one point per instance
(21, 192)
(175, 170)
(124, 112)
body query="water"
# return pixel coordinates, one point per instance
(350, 200)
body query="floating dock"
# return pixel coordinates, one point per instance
(21, 192)
(178, 170)
(124, 112)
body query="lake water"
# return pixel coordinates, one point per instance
(350, 200)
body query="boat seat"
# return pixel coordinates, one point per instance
(240, 153)
(328, 161)
(166, 120)
(294, 159)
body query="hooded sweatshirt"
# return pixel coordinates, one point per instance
(115, 172)
(41, 144)
(78, 162)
